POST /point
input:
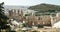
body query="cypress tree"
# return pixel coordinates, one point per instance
(3, 18)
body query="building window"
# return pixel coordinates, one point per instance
(39, 18)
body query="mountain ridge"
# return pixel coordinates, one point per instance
(14, 7)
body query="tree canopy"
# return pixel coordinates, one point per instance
(3, 18)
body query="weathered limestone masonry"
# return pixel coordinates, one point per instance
(42, 20)
(46, 20)
(55, 19)
(16, 14)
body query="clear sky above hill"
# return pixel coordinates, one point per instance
(29, 2)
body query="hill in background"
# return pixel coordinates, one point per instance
(45, 7)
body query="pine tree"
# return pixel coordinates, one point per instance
(3, 18)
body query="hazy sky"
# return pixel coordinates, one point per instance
(29, 2)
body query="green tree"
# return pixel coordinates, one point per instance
(3, 18)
